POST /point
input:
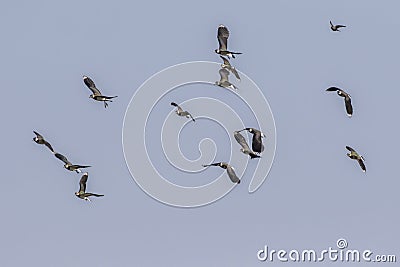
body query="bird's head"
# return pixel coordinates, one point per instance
(35, 139)
(91, 96)
(216, 51)
(77, 194)
(250, 130)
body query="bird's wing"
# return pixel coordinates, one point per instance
(256, 143)
(38, 135)
(349, 107)
(362, 165)
(332, 89)
(49, 146)
(241, 140)
(62, 158)
(226, 61)
(82, 182)
(90, 84)
(212, 164)
(340, 26)
(232, 175)
(93, 194)
(330, 22)
(234, 71)
(177, 106)
(224, 75)
(222, 36)
(350, 149)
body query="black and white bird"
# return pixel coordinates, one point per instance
(256, 143)
(68, 165)
(96, 94)
(347, 99)
(354, 155)
(336, 28)
(82, 189)
(40, 140)
(227, 65)
(245, 147)
(180, 112)
(222, 36)
(229, 169)
(224, 80)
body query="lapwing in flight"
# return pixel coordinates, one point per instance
(224, 81)
(180, 112)
(68, 165)
(354, 155)
(256, 143)
(229, 169)
(347, 99)
(245, 147)
(336, 28)
(222, 36)
(96, 94)
(40, 140)
(82, 189)
(227, 65)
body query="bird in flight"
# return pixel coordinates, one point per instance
(227, 65)
(354, 155)
(39, 139)
(347, 99)
(336, 28)
(180, 112)
(229, 169)
(82, 189)
(222, 36)
(245, 147)
(68, 165)
(256, 143)
(224, 80)
(96, 94)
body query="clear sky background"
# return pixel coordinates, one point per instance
(313, 195)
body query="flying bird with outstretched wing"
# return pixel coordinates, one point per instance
(354, 155)
(68, 165)
(347, 99)
(336, 28)
(82, 189)
(96, 94)
(39, 139)
(180, 112)
(222, 36)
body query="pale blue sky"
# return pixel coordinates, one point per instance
(313, 195)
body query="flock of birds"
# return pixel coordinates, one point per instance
(226, 68)
(39, 139)
(224, 72)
